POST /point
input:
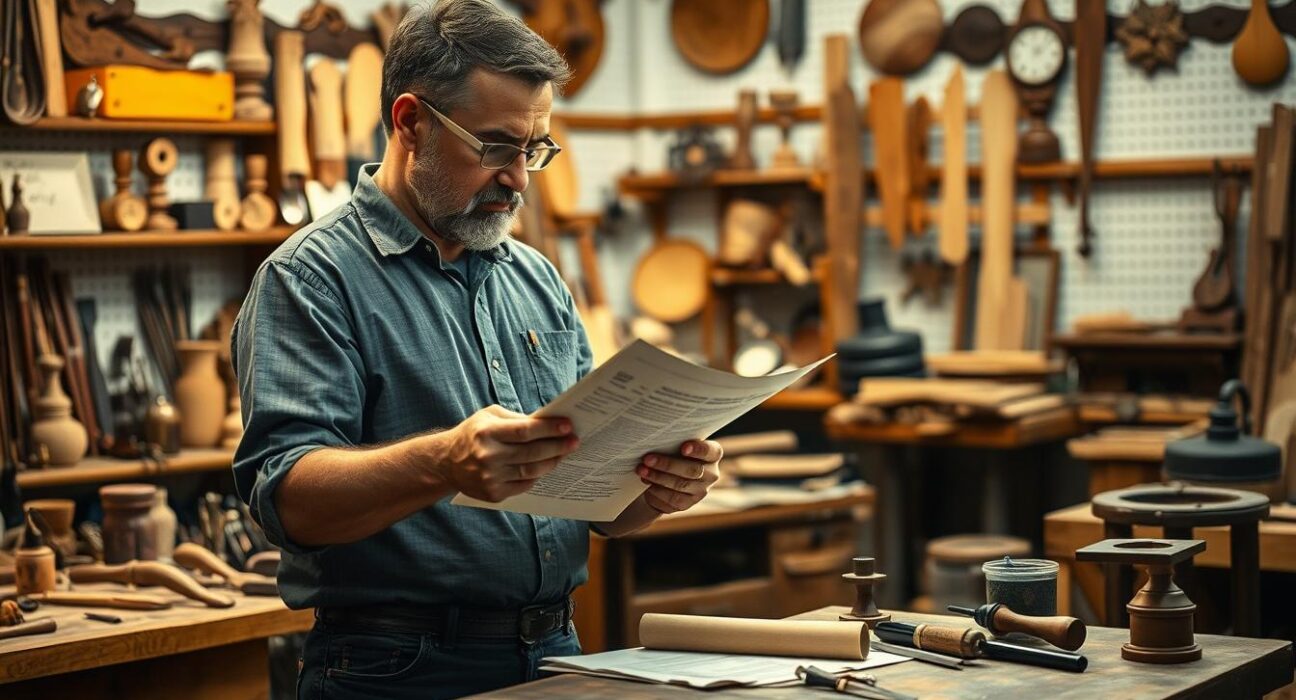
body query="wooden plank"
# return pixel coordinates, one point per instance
(148, 239)
(999, 149)
(1037, 213)
(1234, 667)
(81, 644)
(232, 127)
(1278, 175)
(97, 470)
(687, 522)
(1047, 426)
(953, 216)
(886, 119)
(1160, 342)
(844, 193)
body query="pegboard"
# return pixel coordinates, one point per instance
(1153, 235)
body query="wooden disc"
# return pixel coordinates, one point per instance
(671, 281)
(258, 213)
(898, 37)
(159, 157)
(575, 28)
(719, 36)
(976, 35)
(226, 212)
(976, 549)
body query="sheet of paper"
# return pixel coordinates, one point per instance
(701, 670)
(641, 400)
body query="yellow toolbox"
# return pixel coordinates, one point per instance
(136, 92)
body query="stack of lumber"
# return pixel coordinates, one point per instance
(936, 404)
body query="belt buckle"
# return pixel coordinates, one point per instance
(536, 621)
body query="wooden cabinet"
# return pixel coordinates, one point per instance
(768, 562)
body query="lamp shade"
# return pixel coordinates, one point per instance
(1225, 453)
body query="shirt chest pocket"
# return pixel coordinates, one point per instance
(552, 356)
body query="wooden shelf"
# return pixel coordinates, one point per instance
(647, 184)
(1153, 342)
(811, 399)
(233, 127)
(148, 239)
(94, 470)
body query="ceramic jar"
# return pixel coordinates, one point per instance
(128, 529)
(164, 524)
(61, 436)
(162, 426)
(199, 393)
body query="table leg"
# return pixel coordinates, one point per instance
(1244, 543)
(891, 531)
(994, 500)
(1118, 580)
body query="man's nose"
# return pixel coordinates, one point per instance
(515, 176)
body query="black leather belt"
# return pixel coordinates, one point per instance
(528, 624)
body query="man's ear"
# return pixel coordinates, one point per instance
(405, 119)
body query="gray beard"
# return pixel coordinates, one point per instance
(470, 227)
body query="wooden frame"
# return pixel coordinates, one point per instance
(1048, 261)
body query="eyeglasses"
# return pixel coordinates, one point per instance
(497, 156)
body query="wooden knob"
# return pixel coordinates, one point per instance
(1060, 631)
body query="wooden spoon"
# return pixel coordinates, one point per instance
(329, 189)
(1260, 53)
(290, 115)
(898, 37)
(363, 101)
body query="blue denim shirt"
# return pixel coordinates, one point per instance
(355, 332)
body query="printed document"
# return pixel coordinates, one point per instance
(641, 400)
(702, 670)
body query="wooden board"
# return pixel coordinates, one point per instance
(886, 117)
(1277, 200)
(363, 99)
(993, 362)
(844, 194)
(999, 149)
(953, 216)
(81, 644)
(1230, 667)
(719, 36)
(51, 58)
(896, 391)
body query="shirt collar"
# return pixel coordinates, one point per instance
(391, 231)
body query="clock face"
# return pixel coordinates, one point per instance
(1035, 55)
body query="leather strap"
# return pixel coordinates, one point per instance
(527, 624)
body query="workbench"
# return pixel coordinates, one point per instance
(188, 650)
(1230, 667)
(1068, 529)
(897, 505)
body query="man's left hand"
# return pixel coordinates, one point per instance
(678, 482)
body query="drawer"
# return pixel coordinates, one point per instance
(743, 598)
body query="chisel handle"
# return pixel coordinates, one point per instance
(1060, 631)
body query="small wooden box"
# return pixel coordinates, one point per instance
(136, 92)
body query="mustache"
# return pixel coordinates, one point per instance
(498, 194)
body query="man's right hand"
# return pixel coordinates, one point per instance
(497, 453)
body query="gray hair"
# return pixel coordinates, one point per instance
(433, 51)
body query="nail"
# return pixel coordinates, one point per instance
(689, 449)
(651, 460)
(564, 428)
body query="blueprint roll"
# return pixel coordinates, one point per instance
(728, 635)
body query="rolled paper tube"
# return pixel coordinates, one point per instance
(724, 635)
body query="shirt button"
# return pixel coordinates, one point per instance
(548, 554)
(427, 247)
(495, 364)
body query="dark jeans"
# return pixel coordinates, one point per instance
(359, 664)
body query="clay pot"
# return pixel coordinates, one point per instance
(164, 524)
(53, 427)
(199, 393)
(128, 530)
(58, 514)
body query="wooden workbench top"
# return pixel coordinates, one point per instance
(1231, 667)
(1068, 529)
(81, 644)
(1046, 426)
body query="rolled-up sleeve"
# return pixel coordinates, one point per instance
(301, 383)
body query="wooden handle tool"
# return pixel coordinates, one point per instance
(1060, 631)
(195, 556)
(954, 641)
(149, 573)
(363, 99)
(125, 601)
(1090, 34)
(22, 629)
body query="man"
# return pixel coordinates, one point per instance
(389, 356)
